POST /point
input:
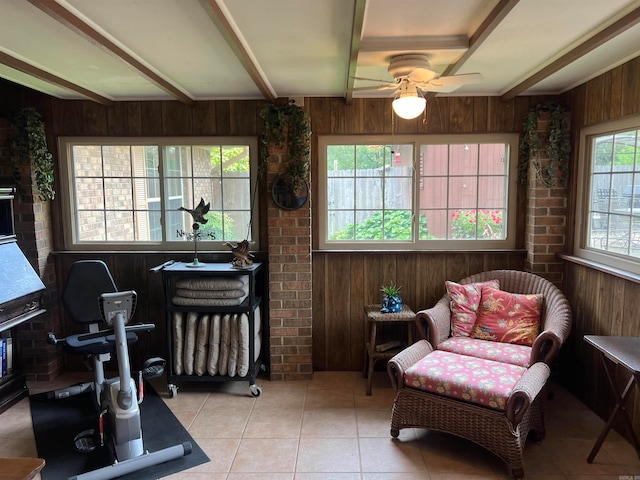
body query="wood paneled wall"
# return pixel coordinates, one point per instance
(343, 283)
(130, 271)
(602, 303)
(337, 325)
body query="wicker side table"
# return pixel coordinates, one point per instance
(375, 316)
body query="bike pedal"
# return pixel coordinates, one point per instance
(153, 368)
(86, 441)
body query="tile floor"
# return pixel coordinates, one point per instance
(328, 429)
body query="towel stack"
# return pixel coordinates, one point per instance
(224, 291)
(214, 343)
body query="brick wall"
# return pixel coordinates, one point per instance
(34, 237)
(289, 283)
(546, 222)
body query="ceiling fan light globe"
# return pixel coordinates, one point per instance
(409, 107)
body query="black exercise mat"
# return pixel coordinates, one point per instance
(57, 422)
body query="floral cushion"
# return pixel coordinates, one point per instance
(508, 317)
(499, 352)
(464, 302)
(475, 380)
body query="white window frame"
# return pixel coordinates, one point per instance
(66, 192)
(617, 261)
(415, 244)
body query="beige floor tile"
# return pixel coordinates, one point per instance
(186, 417)
(219, 423)
(395, 476)
(329, 423)
(374, 422)
(186, 400)
(379, 398)
(446, 454)
(571, 459)
(331, 455)
(296, 431)
(334, 399)
(17, 447)
(584, 476)
(281, 395)
(327, 476)
(260, 476)
(257, 455)
(221, 452)
(390, 455)
(274, 423)
(623, 453)
(335, 381)
(191, 475)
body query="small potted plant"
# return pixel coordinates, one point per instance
(391, 301)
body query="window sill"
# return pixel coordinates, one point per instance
(601, 267)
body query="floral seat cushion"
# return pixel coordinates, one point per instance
(489, 350)
(476, 380)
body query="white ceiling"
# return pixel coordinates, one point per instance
(193, 50)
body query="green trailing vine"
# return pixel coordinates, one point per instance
(29, 143)
(287, 122)
(555, 142)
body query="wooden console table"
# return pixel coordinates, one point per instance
(375, 316)
(624, 351)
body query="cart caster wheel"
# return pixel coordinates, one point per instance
(173, 390)
(256, 391)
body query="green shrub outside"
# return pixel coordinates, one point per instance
(397, 226)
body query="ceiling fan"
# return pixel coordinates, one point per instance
(412, 75)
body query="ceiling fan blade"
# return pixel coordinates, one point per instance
(375, 87)
(430, 87)
(373, 80)
(462, 79)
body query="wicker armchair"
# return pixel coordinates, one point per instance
(503, 432)
(434, 324)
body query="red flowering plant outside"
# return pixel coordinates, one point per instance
(477, 224)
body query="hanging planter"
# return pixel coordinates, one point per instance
(553, 142)
(291, 124)
(29, 144)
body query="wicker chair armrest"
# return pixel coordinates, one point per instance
(526, 390)
(434, 324)
(404, 359)
(545, 347)
(558, 317)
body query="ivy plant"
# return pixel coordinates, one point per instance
(29, 143)
(287, 122)
(554, 140)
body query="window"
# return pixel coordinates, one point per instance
(442, 192)
(127, 193)
(610, 195)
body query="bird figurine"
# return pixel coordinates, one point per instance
(199, 212)
(241, 253)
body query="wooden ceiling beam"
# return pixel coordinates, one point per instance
(500, 11)
(77, 25)
(356, 36)
(218, 17)
(24, 67)
(603, 36)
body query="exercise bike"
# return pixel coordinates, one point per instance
(90, 297)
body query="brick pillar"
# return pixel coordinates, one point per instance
(546, 221)
(289, 282)
(34, 237)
